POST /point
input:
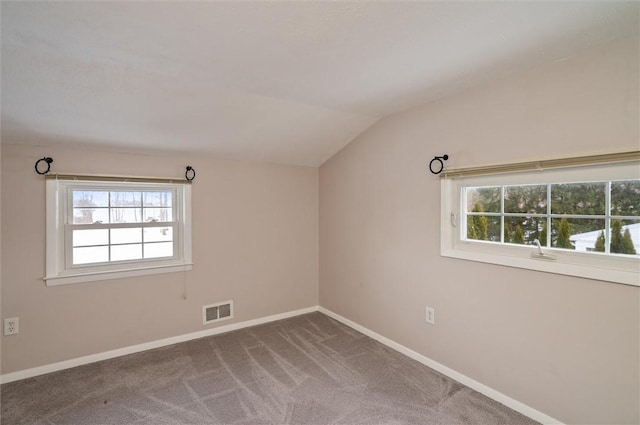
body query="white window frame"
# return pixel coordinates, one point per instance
(59, 267)
(624, 269)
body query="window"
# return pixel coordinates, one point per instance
(582, 216)
(108, 229)
(585, 221)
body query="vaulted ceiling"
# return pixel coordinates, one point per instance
(286, 82)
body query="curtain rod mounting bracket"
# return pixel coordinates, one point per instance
(438, 160)
(190, 173)
(47, 160)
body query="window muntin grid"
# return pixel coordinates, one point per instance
(107, 225)
(609, 209)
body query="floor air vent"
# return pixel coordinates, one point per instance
(216, 312)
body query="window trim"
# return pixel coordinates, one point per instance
(57, 270)
(610, 268)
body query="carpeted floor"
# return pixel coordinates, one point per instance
(308, 369)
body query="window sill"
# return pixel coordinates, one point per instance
(114, 274)
(567, 263)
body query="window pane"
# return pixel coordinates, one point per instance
(90, 237)
(126, 252)
(158, 199)
(483, 199)
(126, 199)
(90, 198)
(158, 214)
(525, 199)
(578, 198)
(94, 254)
(90, 215)
(625, 237)
(579, 234)
(158, 234)
(126, 215)
(625, 197)
(120, 236)
(156, 250)
(483, 228)
(524, 230)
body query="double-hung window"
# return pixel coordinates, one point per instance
(104, 228)
(580, 220)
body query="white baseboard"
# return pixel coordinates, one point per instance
(463, 379)
(79, 361)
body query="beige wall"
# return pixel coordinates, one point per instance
(255, 241)
(568, 347)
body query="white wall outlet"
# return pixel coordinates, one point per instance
(11, 326)
(431, 315)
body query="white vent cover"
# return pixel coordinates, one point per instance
(216, 312)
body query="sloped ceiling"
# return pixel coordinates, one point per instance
(285, 82)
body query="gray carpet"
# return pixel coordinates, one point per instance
(308, 369)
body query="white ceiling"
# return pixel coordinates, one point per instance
(286, 82)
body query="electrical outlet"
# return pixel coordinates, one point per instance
(431, 315)
(11, 326)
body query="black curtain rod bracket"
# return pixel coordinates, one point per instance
(438, 160)
(190, 174)
(47, 160)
